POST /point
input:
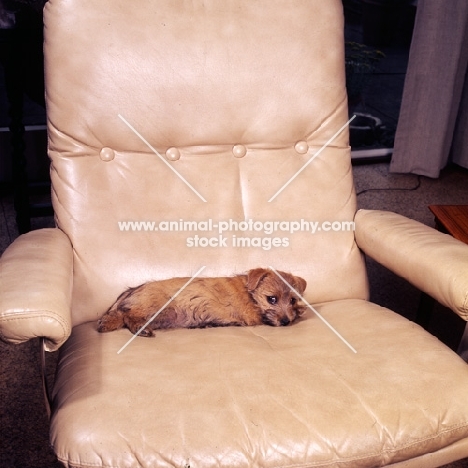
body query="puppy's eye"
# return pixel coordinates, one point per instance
(293, 300)
(272, 299)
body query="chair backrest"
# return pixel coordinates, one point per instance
(185, 113)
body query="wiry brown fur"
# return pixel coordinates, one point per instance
(207, 302)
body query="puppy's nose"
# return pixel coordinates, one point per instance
(285, 321)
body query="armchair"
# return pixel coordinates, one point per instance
(214, 134)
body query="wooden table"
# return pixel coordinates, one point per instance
(453, 220)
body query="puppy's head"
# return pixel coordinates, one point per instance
(280, 305)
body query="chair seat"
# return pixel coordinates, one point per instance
(260, 396)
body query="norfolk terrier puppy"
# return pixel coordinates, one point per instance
(259, 297)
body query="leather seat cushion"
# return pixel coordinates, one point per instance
(260, 396)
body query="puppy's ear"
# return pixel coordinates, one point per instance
(255, 276)
(299, 284)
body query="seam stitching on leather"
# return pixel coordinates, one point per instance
(45, 314)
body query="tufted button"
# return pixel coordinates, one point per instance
(173, 154)
(107, 154)
(301, 147)
(239, 151)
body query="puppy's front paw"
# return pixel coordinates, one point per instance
(301, 310)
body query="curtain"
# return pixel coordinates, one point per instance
(433, 123)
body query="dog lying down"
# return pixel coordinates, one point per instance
(259, 297)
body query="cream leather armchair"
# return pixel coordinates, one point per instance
(234, 113)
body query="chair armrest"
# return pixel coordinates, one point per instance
(435, 263)
(36, 273)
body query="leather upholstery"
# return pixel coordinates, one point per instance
(432, 261)
(235, 96)
(260, 396)
(199, 77)
(36, 279)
